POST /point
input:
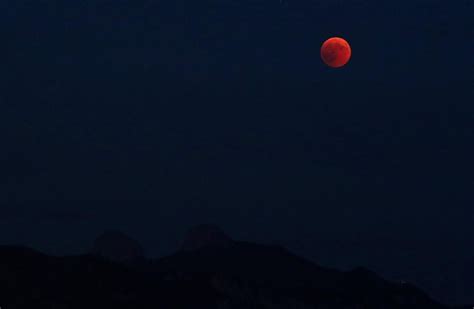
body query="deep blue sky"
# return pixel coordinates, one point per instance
(152, 116)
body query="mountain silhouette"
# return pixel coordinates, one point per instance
(117, 246)
(461, 282)
(236, 275)
(205, 235)
(255, 270)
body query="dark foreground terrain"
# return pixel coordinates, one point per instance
(236, 275)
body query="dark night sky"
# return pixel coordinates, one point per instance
(151, 116)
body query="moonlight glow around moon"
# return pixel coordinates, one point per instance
(336, 52)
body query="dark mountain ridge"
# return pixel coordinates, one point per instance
(243, 275)
(115, 245)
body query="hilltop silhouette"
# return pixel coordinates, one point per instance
(217, 274)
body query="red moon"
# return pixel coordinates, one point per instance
(336, 52)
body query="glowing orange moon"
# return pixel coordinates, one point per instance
(336, 52)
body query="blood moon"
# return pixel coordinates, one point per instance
(336, 52)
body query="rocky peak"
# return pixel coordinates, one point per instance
(117, 246)
(205, 235)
